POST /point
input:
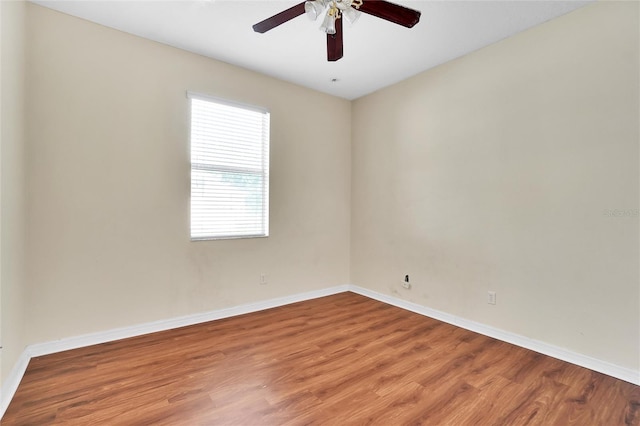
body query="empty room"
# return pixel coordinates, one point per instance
(334, 212)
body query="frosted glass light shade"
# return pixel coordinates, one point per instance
(351, 14)
(313, 8)
(329, 24)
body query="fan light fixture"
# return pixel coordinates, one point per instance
(335, 10)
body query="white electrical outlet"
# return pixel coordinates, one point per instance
(263, 279)
(406, 284)
(491, 297)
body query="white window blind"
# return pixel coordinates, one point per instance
(229, 169)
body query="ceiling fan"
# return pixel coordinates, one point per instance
(336, 9)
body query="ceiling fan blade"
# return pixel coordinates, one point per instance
(334, 43)
(391, 12)
(279, 18)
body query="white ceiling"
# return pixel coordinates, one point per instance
(377, 53)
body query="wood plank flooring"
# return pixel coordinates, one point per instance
(338, 360)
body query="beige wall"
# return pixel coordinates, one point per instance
(12, 184)
(109, 184)
(496, 171)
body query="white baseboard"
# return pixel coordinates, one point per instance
(622, 373)
(168, 324)
(10, 385)
(12, 381)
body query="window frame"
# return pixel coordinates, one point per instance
(263, 171)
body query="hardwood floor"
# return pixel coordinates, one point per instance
(339, 360)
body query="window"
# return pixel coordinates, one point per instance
(229, 169)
